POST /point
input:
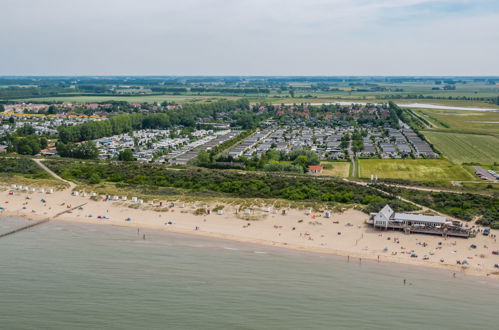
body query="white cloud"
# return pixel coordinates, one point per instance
(284, 37)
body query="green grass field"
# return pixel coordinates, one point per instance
(341, 169)
(465, 148)
(479, 122)
(425, 170)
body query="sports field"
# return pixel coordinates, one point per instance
(429, 170)
(465, 148)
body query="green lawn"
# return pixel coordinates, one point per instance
(466, 148)
(478, 122)
(341, 169)
(425, 170)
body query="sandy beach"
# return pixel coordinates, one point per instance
(343, 234)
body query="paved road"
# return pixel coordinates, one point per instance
(49, 171)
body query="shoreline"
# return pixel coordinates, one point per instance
(337, 236)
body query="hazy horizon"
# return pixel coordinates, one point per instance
(250, 38)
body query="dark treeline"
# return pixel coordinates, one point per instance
(187, 116)
(87, 150)
(228, 183)
(493, 100)
(162, 89)
(230, 90)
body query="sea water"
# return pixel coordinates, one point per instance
(77, 276)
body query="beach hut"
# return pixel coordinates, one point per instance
(141, 201)
(115, 198)
(32, 190)
(172, 204)
(75, 193)
(182, 205)
(266, 209)
(13, 186)
(42, 190)
(26, 188)
(134, 199)
(327, 214)
(124, 198)
(247, 212)
(50, 191)
(308, 211)
(220, 212)
(150, 202)
(93, 194)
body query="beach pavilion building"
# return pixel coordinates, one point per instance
(387, 218)
(416, 223)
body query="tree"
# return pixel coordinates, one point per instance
(126, 155)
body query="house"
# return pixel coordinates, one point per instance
(314, 169)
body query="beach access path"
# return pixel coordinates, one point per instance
(49, 171)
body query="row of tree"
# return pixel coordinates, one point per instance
(187, 116)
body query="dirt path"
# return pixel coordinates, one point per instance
(49, 171)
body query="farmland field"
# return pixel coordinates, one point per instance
(426, 170)
(341, 169)
(131, 99)
(482, 122)
(465, 148)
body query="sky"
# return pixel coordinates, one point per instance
(249, 37)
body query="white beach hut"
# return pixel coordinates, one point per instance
(308, 211)
(124, 198)
(42, 190)
(220, 212)
(50, 191)
(13, 186)
(134, 199)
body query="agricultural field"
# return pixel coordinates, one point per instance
(465, 148)
(131, 99)
(341, 169)
(424, 170)
(478, 122)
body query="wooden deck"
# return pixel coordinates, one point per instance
(445, 232)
